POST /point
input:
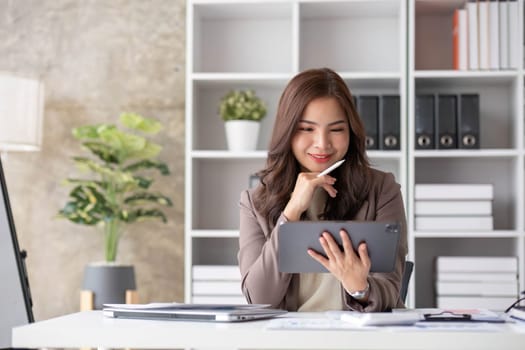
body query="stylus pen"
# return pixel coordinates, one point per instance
(330, 168)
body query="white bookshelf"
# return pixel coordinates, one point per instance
(500, 159)
(261, 45)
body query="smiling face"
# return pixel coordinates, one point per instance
(322, 136)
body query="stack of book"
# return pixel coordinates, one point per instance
(217, 284)
(476, 282)
(453, 207)
(485, 35)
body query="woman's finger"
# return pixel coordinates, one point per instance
(326, 248)
(363, 255)
(319, 258)
(347, 243)
(333, 246)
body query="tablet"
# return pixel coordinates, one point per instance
(382, 239)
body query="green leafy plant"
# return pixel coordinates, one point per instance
(242, 105)
(118, 191)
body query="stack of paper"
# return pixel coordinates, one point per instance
(454, 207)
(217, 284)
(476, 282)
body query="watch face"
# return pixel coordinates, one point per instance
(360, 294)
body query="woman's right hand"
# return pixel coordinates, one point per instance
(304, 191)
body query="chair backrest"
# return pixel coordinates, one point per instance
(409, 266)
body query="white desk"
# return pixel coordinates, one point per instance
(91, 329)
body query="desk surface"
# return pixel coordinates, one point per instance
(92, 329)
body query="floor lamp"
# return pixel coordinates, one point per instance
(21, 113)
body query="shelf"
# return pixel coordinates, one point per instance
(460, 153)
(378, 47)
(384, 154)
(211, 154)
(236, 37)
(473, 77)
(357, 9)
(460, 234)
(437, 7)
(372, 27)
(500, 159)
(498, 101)
(215, 233)
(213, 79)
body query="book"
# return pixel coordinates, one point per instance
(452, 207)
(389, 122)
(517, 312)
(477, 264)
(454, 191)
(473, 302)
(446, 121)
(468, 121)
(483, 27)
(460, 39)
(425, 119)
(218, 299)
(473, 37)
(514, 43)
(368, 109)
(503, 34)
(216, 272)
(494, 34)
(497, 289)
(216, 288)
(454, 223)
(509, 277)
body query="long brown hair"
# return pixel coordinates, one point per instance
(279, 176)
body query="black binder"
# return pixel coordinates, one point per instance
(389, 122)
(468, 121)
(424, 121)
(368, 108)
(446, 122)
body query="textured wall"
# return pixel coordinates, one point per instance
(96, 58)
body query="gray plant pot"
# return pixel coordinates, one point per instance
(109, 282)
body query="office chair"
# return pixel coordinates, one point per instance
(409, 266)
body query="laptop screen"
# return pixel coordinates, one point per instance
(15, 300)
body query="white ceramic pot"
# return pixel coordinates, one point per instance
(242, 135)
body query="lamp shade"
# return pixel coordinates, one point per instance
(21, 113)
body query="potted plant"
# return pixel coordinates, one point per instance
(115, 195)
(242, 112)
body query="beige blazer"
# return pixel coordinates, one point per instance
(262, 283)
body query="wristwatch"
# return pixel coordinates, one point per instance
(360, 294)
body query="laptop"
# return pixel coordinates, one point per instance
(194, 312)
(295, 238)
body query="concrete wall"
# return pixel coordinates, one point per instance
(97, 58)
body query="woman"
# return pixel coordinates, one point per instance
(317, 125)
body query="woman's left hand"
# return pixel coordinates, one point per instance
(346, 265)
